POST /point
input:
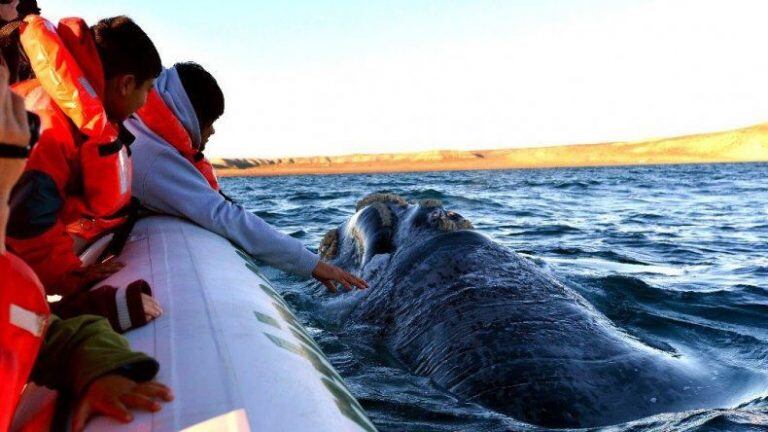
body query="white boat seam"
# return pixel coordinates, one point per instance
(234, 392)
(165, 254)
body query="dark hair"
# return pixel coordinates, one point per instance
(13, 53)
(24, 8)
(125, 49)
(203, 91)
(10, 43)
(27, 7)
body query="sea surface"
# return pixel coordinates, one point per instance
(674, 255)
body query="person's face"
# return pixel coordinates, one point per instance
(124, 96)
(205, 134)
(8, 11)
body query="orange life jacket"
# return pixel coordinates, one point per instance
(76, 185)
(69, 72)
(156, 115)
(24, 316)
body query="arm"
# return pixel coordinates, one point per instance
(14, 131)
(77, 351)
(173, 186)
(35, 229)
(87, 358)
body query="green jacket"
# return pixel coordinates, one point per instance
(76, 351)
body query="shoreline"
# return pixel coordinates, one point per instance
(736, 146)
(352, 170)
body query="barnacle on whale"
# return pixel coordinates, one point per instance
(380, 198)
(451, 221)
(385, 214)
(430, 203)
(329, 245)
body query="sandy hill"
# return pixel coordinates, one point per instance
(741, 145)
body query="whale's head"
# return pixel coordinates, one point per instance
(384, 223)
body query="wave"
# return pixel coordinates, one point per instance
(605, 254)
(645, 217)
(730, 420)
(576, 184)
(552, 230)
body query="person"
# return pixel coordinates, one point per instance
(11, 16)
(11, 10)
(172, 176)
(76, 185)
(82, 356)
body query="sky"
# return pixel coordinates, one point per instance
(330, 77)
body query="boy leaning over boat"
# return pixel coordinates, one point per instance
(75, 187)
(172, 176)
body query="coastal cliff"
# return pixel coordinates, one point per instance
(748, 144)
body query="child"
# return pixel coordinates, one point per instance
(172, 176)
(76, 185)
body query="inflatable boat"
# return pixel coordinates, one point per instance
(229, 346)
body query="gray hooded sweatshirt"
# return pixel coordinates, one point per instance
(166, 182)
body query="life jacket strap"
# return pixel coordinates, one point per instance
(11, 151)
(124, 138)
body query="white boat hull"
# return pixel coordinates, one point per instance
(234, 354)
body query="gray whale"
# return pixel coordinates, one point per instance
(489, 326)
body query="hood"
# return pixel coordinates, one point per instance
(171, 90)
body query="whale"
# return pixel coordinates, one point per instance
(492, 327)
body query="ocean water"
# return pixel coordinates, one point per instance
(677, 256)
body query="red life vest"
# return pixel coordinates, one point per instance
(68, 68)
(24, 317)
(156, 115)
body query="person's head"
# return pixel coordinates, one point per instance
(131, 64)
(11, 10)
(27, 7)
(8, 10)
(205, 94)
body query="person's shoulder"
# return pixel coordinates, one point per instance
(167, 156)
(37, 100)
(146, 147)
(150, 161)
(55, 126)
(58, 136)
(156, 166)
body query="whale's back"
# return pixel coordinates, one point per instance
(487, 324)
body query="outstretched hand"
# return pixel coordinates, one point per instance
(330, 275)
(114, 396)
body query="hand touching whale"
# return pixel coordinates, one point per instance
(330, 275)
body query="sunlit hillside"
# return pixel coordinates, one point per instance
(742, 145)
